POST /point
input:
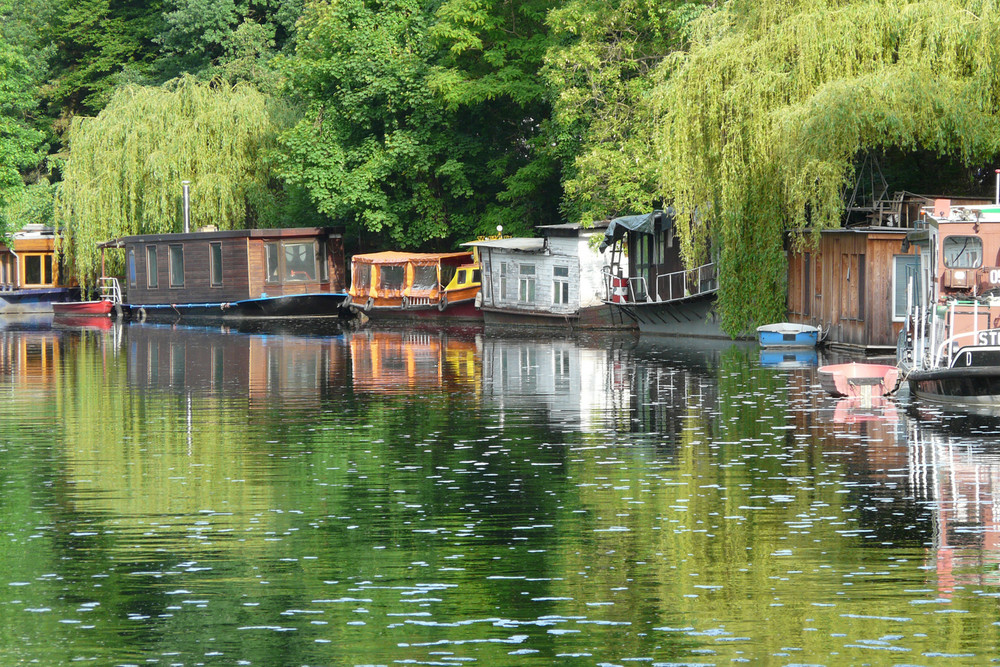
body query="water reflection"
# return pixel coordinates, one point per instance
(958, 474)
(183, 496)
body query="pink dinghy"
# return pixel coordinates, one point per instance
(858, 380)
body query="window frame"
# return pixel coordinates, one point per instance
(175, 251)
(215, 274)
(152, 268)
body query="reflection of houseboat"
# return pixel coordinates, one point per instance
(950, 350)
(648, 283)
(259, 368)
(412, 286)
(30, 279)
(223, 276)
(554, 282)
(399, 362)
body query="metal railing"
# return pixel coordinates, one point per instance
(109, 290)
(673, 286)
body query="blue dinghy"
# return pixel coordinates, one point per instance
(788, 334)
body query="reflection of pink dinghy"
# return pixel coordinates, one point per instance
(854, 410)
(858, 380)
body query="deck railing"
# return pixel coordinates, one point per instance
(666, 287)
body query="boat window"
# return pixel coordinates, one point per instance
(300, 262)
(32, 269)
(503, 281)
(391, 277)
(216, 263)
(526, 283)
(447, 273)
(324, 265)
(560, 284)
(361, 277)
(905, 273)
(477, 276)
(272, 262)
(151, 266)
(176, 256)
(425, 277)
(962, 252)
(131, 267)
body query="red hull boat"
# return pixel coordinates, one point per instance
(76, 308)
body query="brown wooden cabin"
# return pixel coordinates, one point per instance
(228, 266)
(853, 285)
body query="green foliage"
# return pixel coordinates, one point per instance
(126, 165)
(423, 126)
(761, 120)
(22, 146)
(373, 148)
(599, 70)
(95, 40)
(488, 74)
(235, 40)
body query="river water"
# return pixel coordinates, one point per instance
(185, 496)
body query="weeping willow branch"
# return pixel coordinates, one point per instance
(125, 169)
(761, 120)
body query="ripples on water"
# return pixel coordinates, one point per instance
(182, 496)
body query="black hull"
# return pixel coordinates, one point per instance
(975, 385)
(689, 317)
(320, 306)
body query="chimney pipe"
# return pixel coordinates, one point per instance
(187, 206)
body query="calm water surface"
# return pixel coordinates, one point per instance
(180, 496)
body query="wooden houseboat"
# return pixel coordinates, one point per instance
(551, 282)
(415, 286)
(234, 276)
(646, 280)
(852, 285)
(30, 277)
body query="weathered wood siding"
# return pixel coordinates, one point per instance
(845, 286)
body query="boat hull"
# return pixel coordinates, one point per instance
(594, 318)
(323, 305)
(978, 385)
(457, 312)
(690, 317)
(854, 380)
(29, 301)
(101, 308)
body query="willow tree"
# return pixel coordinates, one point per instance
(760, 121)
(127, 164)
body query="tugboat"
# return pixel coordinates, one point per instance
(949, 350)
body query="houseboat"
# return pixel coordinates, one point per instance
(235, 276)
(852, 281)
(647, 282)
(551, 282)
(30, 277)
(949, 350)
(416, 286)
